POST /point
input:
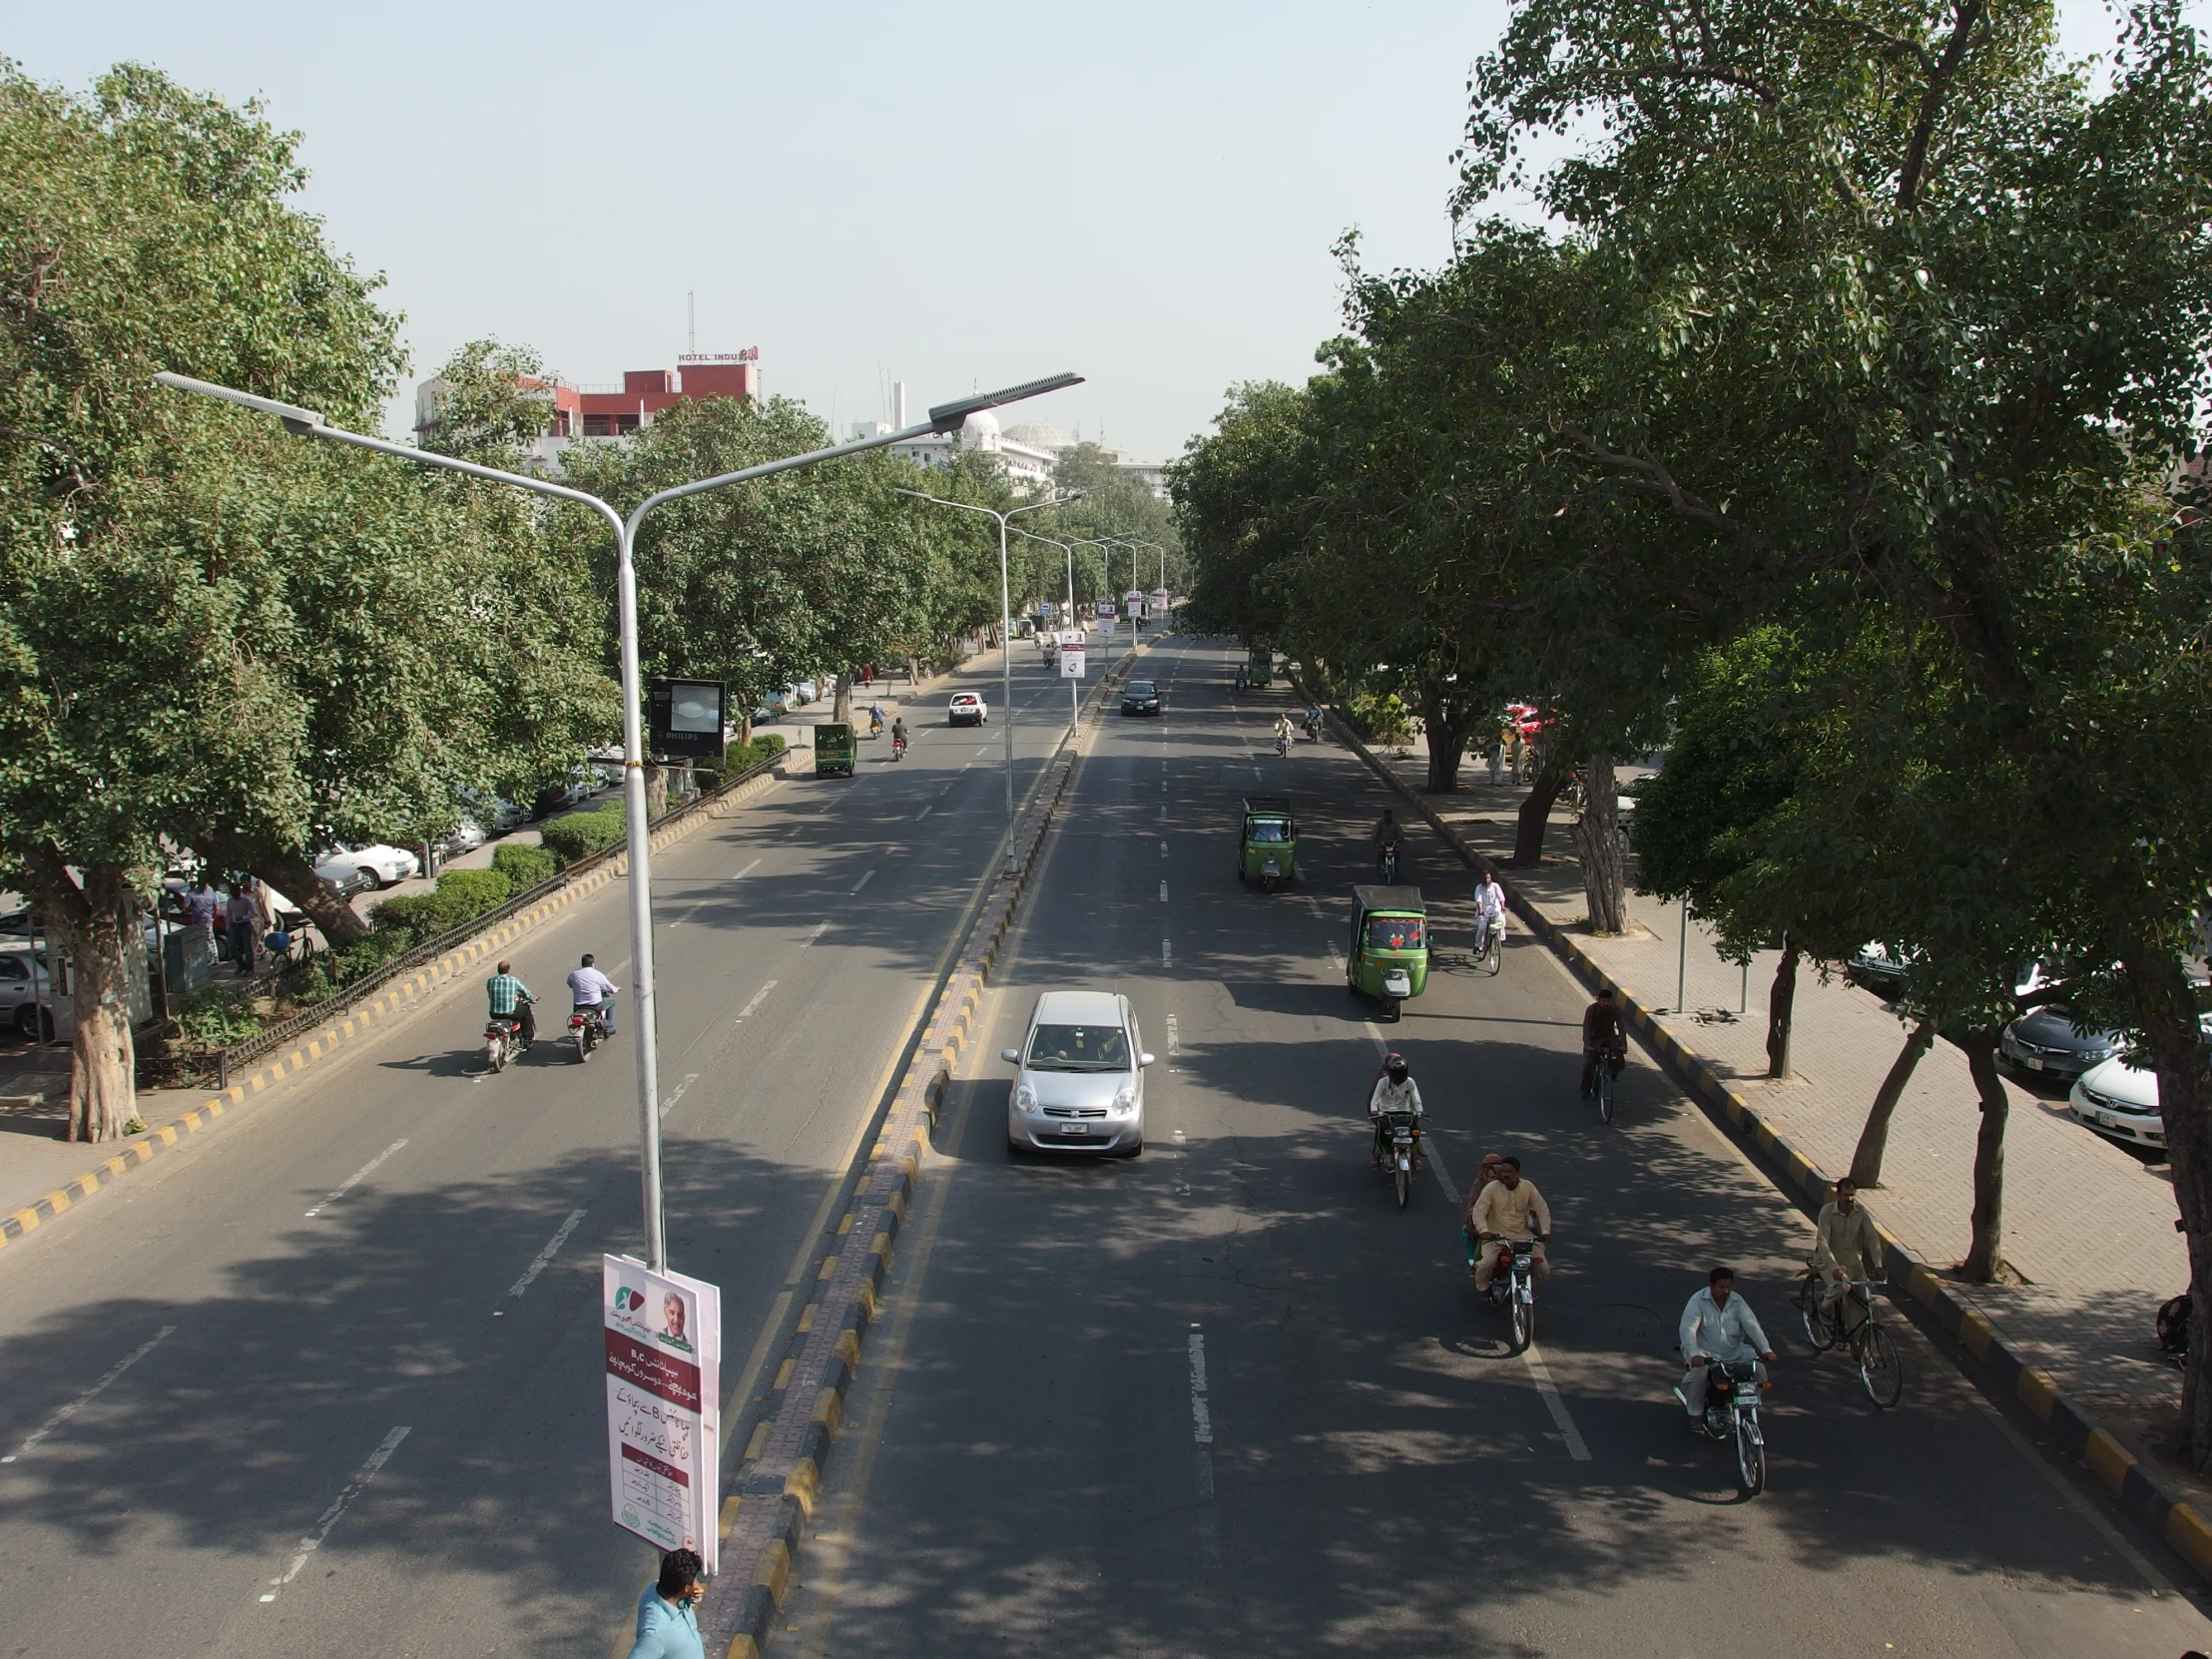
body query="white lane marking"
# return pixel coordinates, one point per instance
(1375, 1036)
(669, 1105)
(1163, 849)
(1167, 952)
(62, 1414)
(870, 876)
(918, 816)
(1163, 893)
(986, 749)
(704, 902)
(1202, 1438)
(1314, 905)
(820, 927)
(747, 871)
(357, 1176)
(760, 996)
(1541, 1373)
(354, 1490)
(1172, 1040)
(1202, 1415)
(545, 1256)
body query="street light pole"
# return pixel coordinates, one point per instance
(1005, 634)
(1075, 698)
(309, 423)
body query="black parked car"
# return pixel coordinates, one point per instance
(1140, 697)
(2045, 1041)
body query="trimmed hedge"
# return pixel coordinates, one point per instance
(461, 894)
(525, 867)
(580, 834)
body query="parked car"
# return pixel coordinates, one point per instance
(24, 986)
(1140, 697)
(2120, 1099)
(968, 709)
(1873, 966)
(386, 865)
(571, 791)
(1079, 1077)
(495, 813)
(2045, 1041)
(465, 836)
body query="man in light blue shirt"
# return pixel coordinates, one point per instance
(668, 1623)
(1716, 1325)
(589, 989)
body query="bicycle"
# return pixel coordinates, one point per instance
(1869, 1341)
(1608, 1069)
(1490, 956)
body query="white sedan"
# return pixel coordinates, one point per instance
(966, 709)
(2122, 1100)
(387, 864)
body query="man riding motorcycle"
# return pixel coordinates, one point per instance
(1502, 1212)
(1716, 1325)
(1602, 1035)
(875, 720)
(898, 733)
(510, 999)
(1394, 1091)
(1282, 734)
(593, 993)
(1387, 835)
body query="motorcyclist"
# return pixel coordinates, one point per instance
(1394, 1091)
(1282, 733)
(875, 720)
(1716, 1325)
(1602, 1034)
(898, 732)
(510, 999)
(1312, 721)
(591, 990)
(1489, 909)
(1387, 835)
(1511, 1210)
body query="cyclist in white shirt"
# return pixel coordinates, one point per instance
(1490, 901)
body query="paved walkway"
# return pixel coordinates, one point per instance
(2087, 1309)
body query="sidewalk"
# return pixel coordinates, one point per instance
(2084, 1313)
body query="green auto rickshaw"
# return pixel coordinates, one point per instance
(1267, 850)
(833, 750)
(1388, 957)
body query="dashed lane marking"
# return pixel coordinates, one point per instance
(62, 1414)
(669, 1105)
(357, 1178)
(1540, 1373)
(870, 876)
(820, 927)
(751, 1008)
(329, 1518)
(545, 1257)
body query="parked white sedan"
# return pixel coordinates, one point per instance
(387, 864)
(2122, 1100)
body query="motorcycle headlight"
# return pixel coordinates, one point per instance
(1026, 1098)
(1126, 1097)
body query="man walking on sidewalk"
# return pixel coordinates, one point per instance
(667, 1620)
(240, 914)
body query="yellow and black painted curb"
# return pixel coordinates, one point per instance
(780, 1472)
(395, 999)
(2073, 1431)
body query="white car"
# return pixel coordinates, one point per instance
(25, 992)
(1079, 1082)
(2122, 1100)
(966, 709)
(387, 864)
(465, 836)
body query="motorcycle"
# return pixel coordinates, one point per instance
(1732, 1394)
(588, 1027)
(1514, 1286)
(899, 749)
(1397, 1150)
(1282, 743)
(502, 1039)
(1386, 864)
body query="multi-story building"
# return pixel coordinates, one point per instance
(612, 411)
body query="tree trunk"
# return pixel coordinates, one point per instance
(1985, 1247)
(1597, 838)
(2168, 1012)
(1535, 818)
(744, 729)
(914, 672)
(656, 792)
(92, 925)
(1874, 1140)
(1781, 1002)
(1446, 724)
(295, 878)
(841, 709)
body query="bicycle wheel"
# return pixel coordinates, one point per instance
(1817, 1330)
(1523, 1315)
(1751, 1458)
(1604, 1092)
(1879, 1365)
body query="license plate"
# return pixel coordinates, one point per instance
(2029, 1061)
(2103, 1118)
(1073, 1129)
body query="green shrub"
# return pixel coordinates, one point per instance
(580, 834)
(462, 896)
(524, 866)
(1379, 718)
(480, 889)
(217, 1017)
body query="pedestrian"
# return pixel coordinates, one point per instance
(240, 914)
(668, 1619)
(867, 677)
(201, 904)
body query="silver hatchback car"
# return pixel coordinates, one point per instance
(1080, 1082)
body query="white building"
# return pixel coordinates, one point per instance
(1025, 465)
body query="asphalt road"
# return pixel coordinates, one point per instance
(1228, 1398)
(363, 1310)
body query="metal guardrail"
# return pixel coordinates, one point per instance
(354, 991)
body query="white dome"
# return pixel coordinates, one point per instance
(980, 431)
(1041, 434)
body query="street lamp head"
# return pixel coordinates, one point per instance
(947, 417)
(297, 421)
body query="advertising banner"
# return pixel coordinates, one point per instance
(664, 1403)
(1071, 659)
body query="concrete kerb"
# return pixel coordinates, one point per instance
(397, 998)
(2073, 1431)
(780, 1471)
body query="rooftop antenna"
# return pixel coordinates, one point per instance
(691, 321)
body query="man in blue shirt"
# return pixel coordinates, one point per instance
(668, 1623)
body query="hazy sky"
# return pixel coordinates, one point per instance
(1146, 193)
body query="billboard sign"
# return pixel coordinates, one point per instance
(664, 1405)
(685, 716)
(1072, 658)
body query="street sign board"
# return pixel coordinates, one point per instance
(664, 1405)
(1072, 658)
(684, 717)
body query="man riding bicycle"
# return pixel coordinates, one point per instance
(1602, 1035)
(1489, 909)
(1848, 1247)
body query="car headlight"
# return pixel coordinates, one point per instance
(1126, 1097)
(1026, 1098)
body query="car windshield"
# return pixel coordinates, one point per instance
(1268, 829)
(1394, 932)
(965, 697)
(1078, 1048)
(1140, 688)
